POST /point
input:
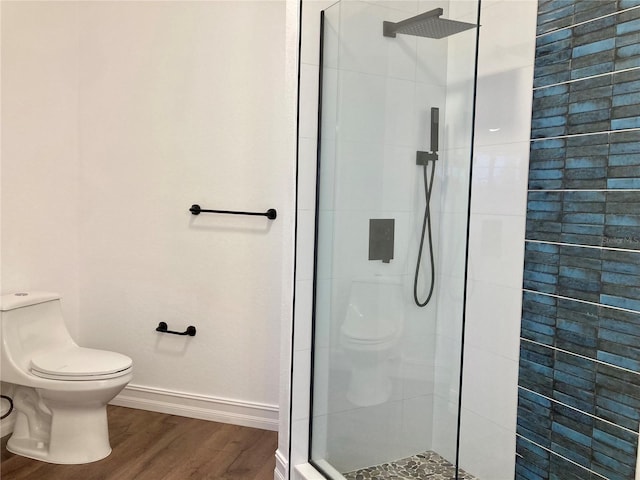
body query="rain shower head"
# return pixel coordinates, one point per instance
(428, 24)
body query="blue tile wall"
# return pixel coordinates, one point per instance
(579, 372)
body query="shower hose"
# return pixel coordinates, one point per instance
(426, 228)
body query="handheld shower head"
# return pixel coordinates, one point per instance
(423, 158)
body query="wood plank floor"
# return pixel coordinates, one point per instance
(156, 446)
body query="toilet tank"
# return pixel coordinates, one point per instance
(29, 324)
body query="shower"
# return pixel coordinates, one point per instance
(385, 373)
(428, 25)
(424, 158)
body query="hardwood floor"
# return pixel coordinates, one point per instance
(156, 446)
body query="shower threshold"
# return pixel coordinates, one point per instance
(427, 465)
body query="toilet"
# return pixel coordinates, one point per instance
(61, 389)
(372, 327)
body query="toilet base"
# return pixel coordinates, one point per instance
(76, 436)
(63, 427)
(40, 451)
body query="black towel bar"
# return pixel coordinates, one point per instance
(271, 214)
(164, 328)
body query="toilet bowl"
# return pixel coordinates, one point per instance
(371, 329)
(61, 389)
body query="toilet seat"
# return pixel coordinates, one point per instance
(79, 363)
(362, 342)
(361, 330)
(368, 338)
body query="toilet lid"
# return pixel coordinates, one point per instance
(80, 364)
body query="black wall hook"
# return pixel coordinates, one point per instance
(164, 328)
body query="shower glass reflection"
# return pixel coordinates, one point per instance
(395, 144)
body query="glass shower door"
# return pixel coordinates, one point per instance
(397, 94)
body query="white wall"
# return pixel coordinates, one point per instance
(119, 116)
(40, 158)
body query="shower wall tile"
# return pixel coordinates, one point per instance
(609, 277)
(590, 105)
(499, 172)
(579, 405)
(535, 463)
(579, 399)
(363, 49)
(589, 330)
(490, 328)
(614, 451)
(621, 279)
(554, 14)
(604, 43)
(553, 53)
(486, 448)
(622, 220)
(625, 99)
(590, 162)
(577, 327)
(495, 236)
(592, 9)
(539, 318)
(489, 400)
(541, 267)
(544, 216)
(506, 36)
(534, 417)
(618, 393)
(623, 167)
(546, 163)
(627, 31)
(585, 163)
(619, 338)
(499, 125)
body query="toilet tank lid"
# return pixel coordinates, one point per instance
(24, 299)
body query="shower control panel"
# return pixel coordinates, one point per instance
(381, 233)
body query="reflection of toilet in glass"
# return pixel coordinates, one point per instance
(371, 328)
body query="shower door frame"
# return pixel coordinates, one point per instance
(312, 470)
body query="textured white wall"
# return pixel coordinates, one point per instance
(119, 116)
(39, 153)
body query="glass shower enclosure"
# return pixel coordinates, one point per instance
(394, 165)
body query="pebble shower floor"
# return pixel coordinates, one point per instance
(427, 465)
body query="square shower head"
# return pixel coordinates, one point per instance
(428, 24)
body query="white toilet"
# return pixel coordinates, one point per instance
(372, 326)
(61, 389)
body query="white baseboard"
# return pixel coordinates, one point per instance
(224, 410)
(280, 472)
